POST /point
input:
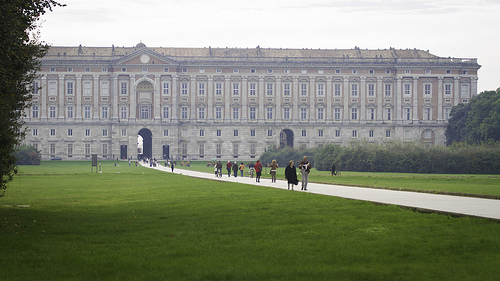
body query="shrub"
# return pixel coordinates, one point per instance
(27, 155)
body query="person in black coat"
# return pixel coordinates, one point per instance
(291, 174)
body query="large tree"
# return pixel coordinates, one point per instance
(20, 50)
(477, 121)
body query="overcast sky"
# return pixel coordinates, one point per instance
(447, 28)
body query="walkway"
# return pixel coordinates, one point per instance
(469, 206)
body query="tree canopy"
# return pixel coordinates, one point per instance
(20, 50)
(477, 121)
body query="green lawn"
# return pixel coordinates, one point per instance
(134, 223)
(483, 185)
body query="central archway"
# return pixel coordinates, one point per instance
(147, 143)
(286, 138)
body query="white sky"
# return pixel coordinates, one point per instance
(447, 28)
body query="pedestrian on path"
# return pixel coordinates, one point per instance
(242, 168)
(291, 175)
(228, 167)
(258, 170)
(305, 169)
(172, 166)
(274, 168)
(251, 169)
(235, 169)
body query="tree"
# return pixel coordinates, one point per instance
(20, 50)
(27, 155)
(477, 121)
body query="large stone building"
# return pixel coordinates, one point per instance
(227, 103)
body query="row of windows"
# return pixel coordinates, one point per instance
(87, 132)
(236, 89)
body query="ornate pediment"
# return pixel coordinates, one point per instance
(146, 57)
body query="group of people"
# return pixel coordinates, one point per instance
(291, 173)
(235, 167)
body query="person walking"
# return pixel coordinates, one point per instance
(291, 175)
(334, 170)
(242, 168)
(274, 168)
(172, 166)
(305, 169)
(228, 167)
(251, 169)
(235, 169)
(258, 171)
(219, 169)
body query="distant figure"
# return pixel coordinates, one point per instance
(235, 169)
(274, 167)
(228, 168)
(305, 169)
(251, 169)
(258, 170)
(291, 175)
(242, 168)
(334, 170)
(172, 166)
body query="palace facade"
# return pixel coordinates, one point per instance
(233, 103)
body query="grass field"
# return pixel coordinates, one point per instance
(482, 185)
(134, 223)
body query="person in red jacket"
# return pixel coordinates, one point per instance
(228, 167)
(258, 170)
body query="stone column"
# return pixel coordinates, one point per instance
(277, 108)
(362, 98)
(114, 98)
(295, 100)
(227, 99)
(414, 96)
(244, 98)
(62, 101)
(133, 98)
(329, 95)
(456, 91)
(347, 95)
(43, 98)
(312, 100)
(210, 97)
(440, 99)
(157, 98)
(398, 96)
(95, 116)
(380, 101)
(175, 98)
(194, 94)
(78, 104)
(262, 94)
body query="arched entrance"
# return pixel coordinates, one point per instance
(286, 138)
(146, 146)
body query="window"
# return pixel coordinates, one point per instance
(286, 89)
(354, 114)
(427, 113)
(218, 113)
(321, 89)
(464, 91)
(218, 149)
(52, 149)
(269, 71)
(202, 133)
(354, 90)
(371, 134)
(427, 89)
(70, 150)
(235, 70)
(371, 90)
(165, 133)
(86, 112)
(269, 113)
(69, 111)
(184, 112)
(269, 89)
(407, 134)
(87, 69)
(447, 111)
(87, 132)
(69, 69)
(124, 132)
(407, 113)
(166, 88)
(407, 89)
(87, 88)
(388, 90)
(303, 89)
(387, 133)
(320, 113)
(69, 88)
(354, 71)
(286, 113)
(36, 88)
(236, 113)
(201, 113)
(388, 113)
(269, 133)
(447, 89)
(371, 114)
(354, 133)
(52, 132)
(448, 71)
(123, 112)
(337, 133)
(35, 132)
(184, 88)
(235, 133)
(165, 69)
(337, 90)
(202, 70)
(252, 113)
(201, 150)
(201, 89)
(236, 89)
(253, 89)
(218, 89)
(34, 111)
(104, 132)
(320, 133)
(286, 71)
(104, 112)
(235, 150)
(184, 70)
(371, 71)
(337, 113)
(104, 88)
(218, 70)
(252, 150)
(304, 133)
(184, 149)
(166, 112)
(87, 150)
(52, 112)
(407, 71)
(123, 88)
(337, 71)
(219, 133)
(104, 150)
(253, 70)
(303, 113)
(252, 132)
(427, 71)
